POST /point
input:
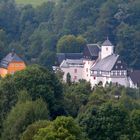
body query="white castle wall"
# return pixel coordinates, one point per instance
(121, 81)
(75, 76)
(86, 69)
(104, 80)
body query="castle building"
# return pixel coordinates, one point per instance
(98, 64)
(109, 68)
(11, 64)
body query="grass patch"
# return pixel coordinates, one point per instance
(32, 2)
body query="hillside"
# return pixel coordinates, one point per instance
(35, 32)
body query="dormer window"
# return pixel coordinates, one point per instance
(119, 62)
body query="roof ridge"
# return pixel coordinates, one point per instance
(107, 42)
(9, 58)
(93, 46)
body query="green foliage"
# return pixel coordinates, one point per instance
(105, 122)
(33, 2)
(40, 83)
(3, 43)
(76, 95)
(37, 33)
(61, 27)
(70, 44)
(32, 129)
(23, 114)
(109, 113)
(47, 58)
(63, 128)
(42, 44)
(107, 117)
(8, 97)
(135, 117)
(68, 79)
(44, 11)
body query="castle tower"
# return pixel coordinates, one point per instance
(107, 49)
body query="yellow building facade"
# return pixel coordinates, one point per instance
(11, 64)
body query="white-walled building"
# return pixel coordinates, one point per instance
(90, 56)
(74, 68)
(97, 64)
(110, 69)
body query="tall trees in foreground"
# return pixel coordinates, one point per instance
(39, 83)
(35, 105)
(24, 113)
(63, 128)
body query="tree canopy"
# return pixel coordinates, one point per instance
(63, 128)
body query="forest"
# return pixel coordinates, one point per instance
(38, 33)
(35, 104)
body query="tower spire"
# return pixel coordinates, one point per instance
(107, 38)
(107, 48)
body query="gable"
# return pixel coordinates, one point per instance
(86, 53)
(11, 57)
(63, 56)
(135, 77)
(120, 64)
(91, 51)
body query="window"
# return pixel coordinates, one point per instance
(116, 67)
(122, 72)
(95, 72)
(114, 73)
(75, 77)
(98, 72)
(106, 49)
(121, 67)
(75, 70)
(118, 73)
(94, 78)
(86, 69)
(119, 62)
